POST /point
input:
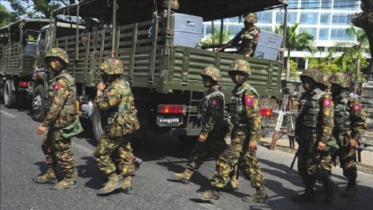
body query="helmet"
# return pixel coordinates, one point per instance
(212, 72)
(251, 17)
(57, 53)
(325, 79)
(174, 4)
(314, 74)
(112, 66)
(340, 79)
(240, 65)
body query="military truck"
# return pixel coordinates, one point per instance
(18, 51)
(162, 62)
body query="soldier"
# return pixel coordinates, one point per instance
(164, 6)
(248, 36)
(325, 86)
(62, 113)
(349, 120)
(214, 127)
(314, 126)
(118, 101)
(245, 116)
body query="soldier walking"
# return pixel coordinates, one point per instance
(246, 118)
(118, 101)
(314, 126)
(56, 145)
(214, 127)
(349, 120)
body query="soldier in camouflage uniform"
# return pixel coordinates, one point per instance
(349, 120)
(325, 86)
(214, 127)
(61, 114)
(118, 101)
(246, 118)
(314, 126)
(248, 36)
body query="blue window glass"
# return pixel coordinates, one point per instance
(326, 4)
(310, 4)
(265, 17)
(340, 34)
(233, 20)
(345, 4)
(340, 19)
(292, 4)
(266, 28)
(234, 29)
(308, 18)
(324, 34)
(311, 31)
(325, 19)
(292, 17)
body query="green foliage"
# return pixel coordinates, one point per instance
(208, 40)
(297, 41)
(36, 8)
(6, 16)
(293, 70)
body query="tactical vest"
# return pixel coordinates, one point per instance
(312, 113)
(247, 40)
(237, 108)
(205, 102)
(342, 121)
(72, 96)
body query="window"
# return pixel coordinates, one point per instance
(311, 31)
(265, 28)
(326, 4)
(234, 30)
(324, 34)
(292, 17)
(264, 17)
(340, 19)
(310, 4)
(325, 19)
(308, 18)
(292, 4)
(234, 19)
(339, 34)
(345, 4)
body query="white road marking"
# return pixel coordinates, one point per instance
(209, 206)
(84, 149)
(8, 114)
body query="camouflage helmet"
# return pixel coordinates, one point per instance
(57, 53)
(340, 79)
(251, 17)
(112, 66)
(212, 72)
(325, 79)
(240, 65)
(314, 74)
(174, 4)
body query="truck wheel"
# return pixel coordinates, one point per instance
(10, 99)
(188, 140)
(38, 104)
(99, 121)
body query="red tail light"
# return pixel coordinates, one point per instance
(23, 84)
(266, 112)
(171, 109)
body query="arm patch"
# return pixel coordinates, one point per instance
(249, 100)
(214, 102)
(56, 86)
(356, 108)
(327, 102)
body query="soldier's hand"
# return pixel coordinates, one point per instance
(219, 49)
(321, 146)
(202, 138)
(253, 146)
(352, 142)
(41, 129)
(100, 86)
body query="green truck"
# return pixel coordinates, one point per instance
(161, 56)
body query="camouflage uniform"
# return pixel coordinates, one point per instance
(245, 116)
(248, 36)
(325, 82)
(118, 101)
(214, 128)
(349, 121)
(61, 114)
(316, 118)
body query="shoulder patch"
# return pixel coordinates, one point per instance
(56, 86)
(327, 102)
(214, 102)
(107, 93)
(249, 100)
(356, 108)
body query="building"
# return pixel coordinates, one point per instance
(325, 20)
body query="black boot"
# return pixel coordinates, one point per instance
(331, 190)
(307, 196)
(350, 190)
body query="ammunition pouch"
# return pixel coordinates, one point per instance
(122, 124)
(72, 130)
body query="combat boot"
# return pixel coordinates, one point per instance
(64, 184)
(183, 177)
(350, 190)
(209, 195)
(137, 164)
(48, 177)
(259, 197)
(114, 182)
(126, 187)
(232, 185)
(331, 190)
(307, 196)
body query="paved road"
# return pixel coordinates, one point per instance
(22, 159)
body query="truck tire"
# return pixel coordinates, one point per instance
(188, 140)
(10, 98)
(99, 122)
(38, 104)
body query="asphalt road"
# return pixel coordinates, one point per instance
(22, 159)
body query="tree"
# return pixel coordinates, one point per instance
(6, 16)
(295, 41)
(325, 64)
(36, 8)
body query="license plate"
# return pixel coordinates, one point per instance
(164, 121)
